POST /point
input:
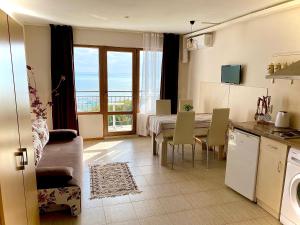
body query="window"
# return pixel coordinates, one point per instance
(106, 83)
(86, 65)
(120, 90)
(119, 81)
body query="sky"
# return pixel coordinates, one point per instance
(86, 62)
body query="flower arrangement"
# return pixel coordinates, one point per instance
(39, 109)
(187, 107)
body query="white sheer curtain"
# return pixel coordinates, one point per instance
(150, 72)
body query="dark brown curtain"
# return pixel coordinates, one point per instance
(64, 114)
(169, 70)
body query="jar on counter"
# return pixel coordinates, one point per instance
(271, 69)
(277, 67)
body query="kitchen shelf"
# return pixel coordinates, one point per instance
(283, 77)
(292, 72)
(286, 77)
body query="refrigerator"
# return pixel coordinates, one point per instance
(242, 161)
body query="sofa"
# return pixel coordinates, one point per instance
(58, 155)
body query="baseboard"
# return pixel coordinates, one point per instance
(93, 139)
(122, 136)
(113, 137)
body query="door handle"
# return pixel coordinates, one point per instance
(25, 160)
(279, 167)
(19, 163)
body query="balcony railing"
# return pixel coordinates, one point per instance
(88, 101)
(118, 101)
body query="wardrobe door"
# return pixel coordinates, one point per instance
(1, 211)
(11, 173)
(24, 117)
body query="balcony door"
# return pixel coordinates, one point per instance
(120, 90)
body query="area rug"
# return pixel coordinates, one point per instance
(111, 180)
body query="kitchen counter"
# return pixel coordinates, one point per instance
(266, 131)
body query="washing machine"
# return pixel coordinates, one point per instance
(290, 207)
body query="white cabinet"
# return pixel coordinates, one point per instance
(270, 177)
(241, 166)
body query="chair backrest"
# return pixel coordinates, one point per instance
(183, 102)
(184, 128)
(163, 107)
(218, 127)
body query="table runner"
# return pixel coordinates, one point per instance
(159, 124)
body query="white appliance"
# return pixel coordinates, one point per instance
(282, 119)
(290, 207)
(201, 41)
(242, 160)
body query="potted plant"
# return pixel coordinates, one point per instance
(188, 107)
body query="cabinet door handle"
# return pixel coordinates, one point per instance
(19, 163)
(279, 167)
(25, 160)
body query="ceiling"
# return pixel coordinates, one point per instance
(136, 15)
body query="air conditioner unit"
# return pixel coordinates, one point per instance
(201, 41)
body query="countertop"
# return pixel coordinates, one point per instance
(266, 131)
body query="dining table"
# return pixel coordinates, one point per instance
(162, 129)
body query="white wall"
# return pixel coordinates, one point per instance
(252, 44)
(38, 44)
(38, 56)
(91, 126)
(107, 38)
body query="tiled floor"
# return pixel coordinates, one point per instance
(183, 196)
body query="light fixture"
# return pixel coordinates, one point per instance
(191, 42)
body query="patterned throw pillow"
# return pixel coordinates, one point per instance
(37, 146)
(40, 134)
(40, 126)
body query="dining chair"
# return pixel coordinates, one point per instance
(184, 133)
(183, 102)
(163, 107)
(216, 135)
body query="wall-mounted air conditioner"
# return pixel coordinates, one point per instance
(195, 43)
(201, 41)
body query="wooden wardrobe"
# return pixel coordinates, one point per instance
(18, 203)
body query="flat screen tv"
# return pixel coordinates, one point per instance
(231, 74)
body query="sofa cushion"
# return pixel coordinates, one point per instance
(63, 154)
(64, 172)
(57, 174)
(62, 135)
